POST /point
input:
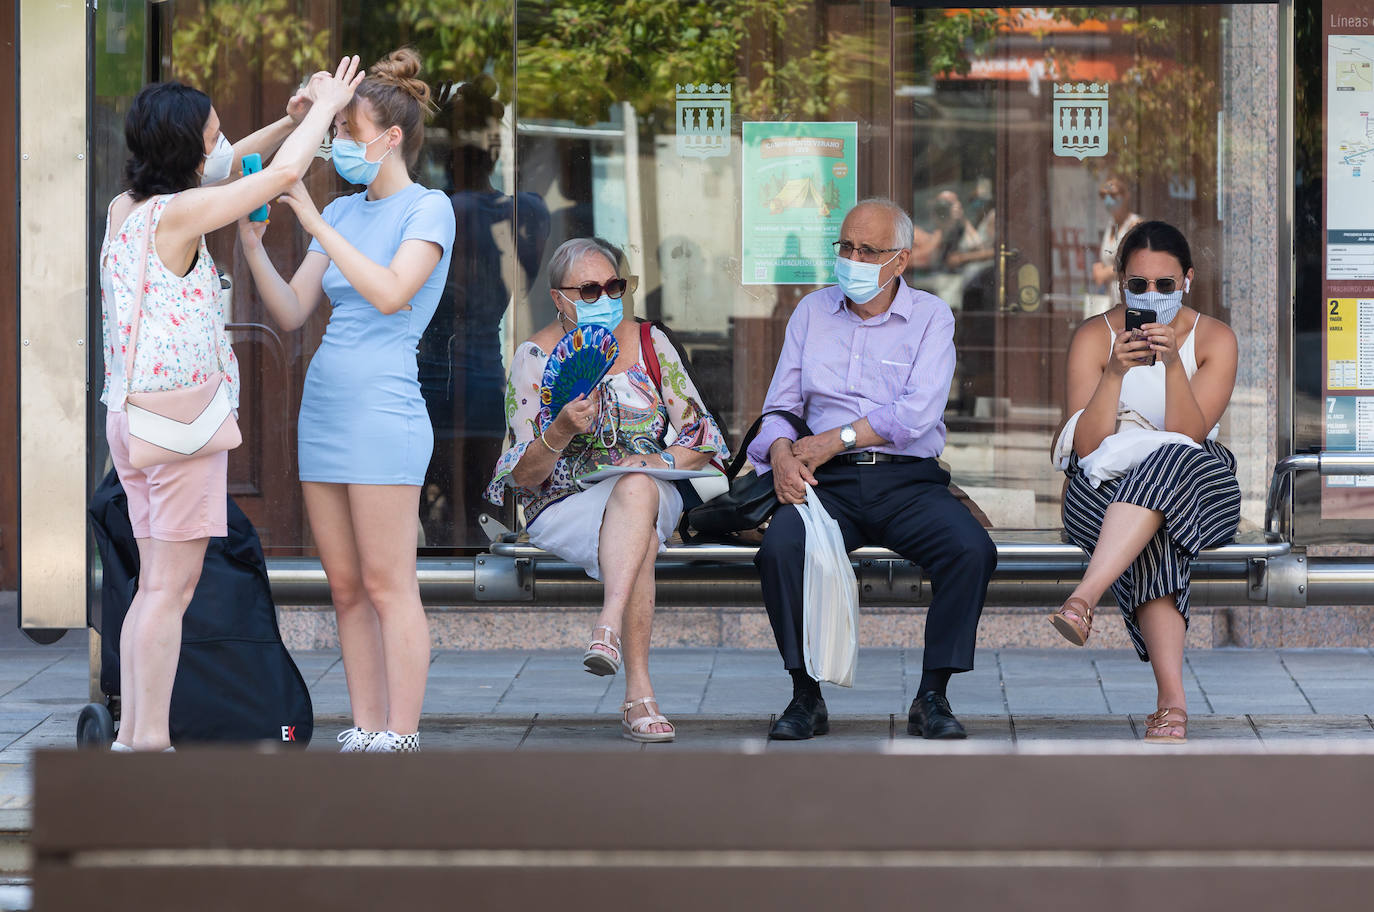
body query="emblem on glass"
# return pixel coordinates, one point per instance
(1080, 120)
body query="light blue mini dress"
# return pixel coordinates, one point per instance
(362, 418)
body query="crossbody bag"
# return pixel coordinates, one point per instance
(174, 425)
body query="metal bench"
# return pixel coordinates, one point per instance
(1035, 567)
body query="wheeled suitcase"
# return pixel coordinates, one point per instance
(236, 680)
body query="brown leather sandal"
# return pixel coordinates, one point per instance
(1074, 620)
(1166, 725)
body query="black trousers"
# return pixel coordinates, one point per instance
(904, 506)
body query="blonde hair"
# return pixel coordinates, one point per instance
(399, 98)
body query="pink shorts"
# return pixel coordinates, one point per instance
(179, 501)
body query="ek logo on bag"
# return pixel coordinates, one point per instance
(288, 733)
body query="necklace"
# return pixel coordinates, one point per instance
(608, 416)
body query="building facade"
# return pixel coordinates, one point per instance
(718, 144)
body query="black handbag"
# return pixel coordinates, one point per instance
(750, 501)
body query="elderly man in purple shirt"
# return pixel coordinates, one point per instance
(867, 365)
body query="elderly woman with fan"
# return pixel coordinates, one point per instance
(614, 528)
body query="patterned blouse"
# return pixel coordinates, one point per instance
(181, 333)
(649, 424)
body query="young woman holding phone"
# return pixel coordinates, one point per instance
(1171, 491)
(380, 257)
(172, 320)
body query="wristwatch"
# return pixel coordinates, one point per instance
(848, 436)
(668, 458)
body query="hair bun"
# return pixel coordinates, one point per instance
(401, 68)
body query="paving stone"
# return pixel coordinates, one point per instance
(847, 733)
(745, 734)
(1341, 699)
(1072, 728)
(1335, 727)
(982, 730)
(1203, 727)
(600, 733)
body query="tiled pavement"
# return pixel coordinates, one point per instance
(722, 699)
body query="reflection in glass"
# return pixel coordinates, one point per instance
(462, 373)
(954, 111)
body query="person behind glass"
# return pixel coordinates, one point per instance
(614, 529)
(380, 258)
(1144, 528)
(178, 158)
(867, 365)
(1116, 199)
(500, 239)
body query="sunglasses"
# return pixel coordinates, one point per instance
(1138, 285)
(614, 288)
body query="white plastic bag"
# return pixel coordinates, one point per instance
(830, 598)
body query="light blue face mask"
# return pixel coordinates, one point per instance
(350, 160)
(1165, 306)
(859, 281)
(605, 311)
(1110, 202)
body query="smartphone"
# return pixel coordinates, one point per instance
(252, 162)
(1137, 317)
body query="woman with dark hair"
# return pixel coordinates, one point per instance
(615, 528)
(380, 257)
(1148, 486)
(164, 330)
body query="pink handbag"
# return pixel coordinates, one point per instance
(174, 425)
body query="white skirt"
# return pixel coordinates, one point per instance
(571, 528)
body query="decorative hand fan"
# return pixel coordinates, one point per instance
(576, 365)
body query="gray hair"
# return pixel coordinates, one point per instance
(903, 232)
(570, 252)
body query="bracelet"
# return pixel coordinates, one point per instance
(547, 445)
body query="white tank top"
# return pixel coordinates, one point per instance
(1142, 389)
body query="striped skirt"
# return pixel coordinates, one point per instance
(1195, 489)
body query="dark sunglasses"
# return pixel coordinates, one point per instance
(614, 288)
(1138, 285)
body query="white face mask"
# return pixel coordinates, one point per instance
(218, 162)
(859, 281)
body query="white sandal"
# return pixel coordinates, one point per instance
(602, 661)
(638, 730)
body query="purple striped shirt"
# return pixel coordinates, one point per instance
(894, 370)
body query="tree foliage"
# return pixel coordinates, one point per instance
(216, 43)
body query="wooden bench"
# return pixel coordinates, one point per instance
(1068, 827)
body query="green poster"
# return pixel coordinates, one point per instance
(799, 182)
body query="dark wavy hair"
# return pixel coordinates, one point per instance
(1160, 236)
(165, 133)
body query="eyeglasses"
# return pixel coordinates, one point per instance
(846, 249)
(1137, 285)
(614, 288)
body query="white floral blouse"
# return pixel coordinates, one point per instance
(181, 336)
(675, 417)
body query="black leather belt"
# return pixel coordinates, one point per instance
(868, 457)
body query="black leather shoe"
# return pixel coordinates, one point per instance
(931, 717)
(804, 716)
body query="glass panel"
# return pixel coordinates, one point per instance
(118, 70)
(630, 129)
(250, 65)
(1334, 260)
(1017, 123)
(627, 121)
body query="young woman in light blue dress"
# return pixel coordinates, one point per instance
(380, 257)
